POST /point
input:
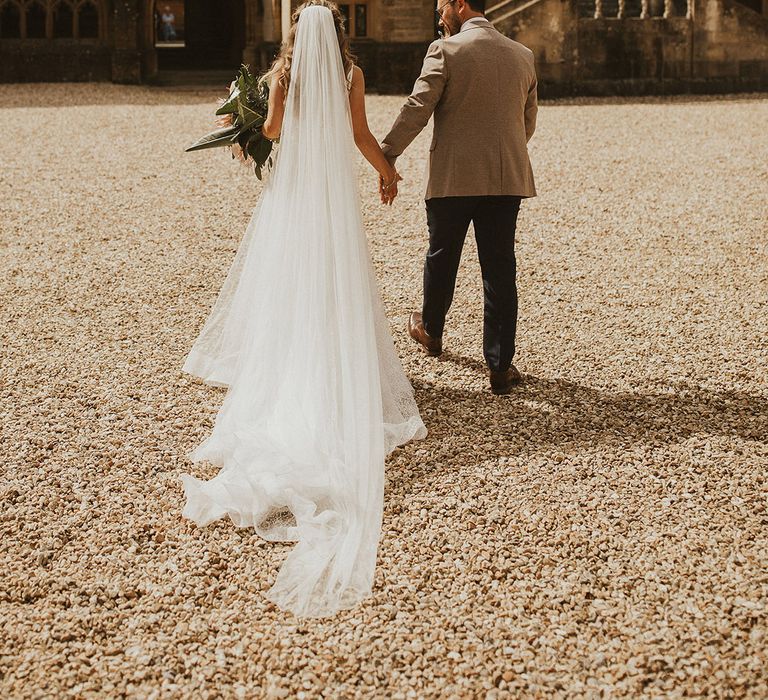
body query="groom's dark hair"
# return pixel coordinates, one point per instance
(477, 5)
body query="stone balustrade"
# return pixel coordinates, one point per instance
(639, 9)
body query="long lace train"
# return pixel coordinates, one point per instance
(316, 395)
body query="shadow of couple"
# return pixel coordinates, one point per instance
(546, 413)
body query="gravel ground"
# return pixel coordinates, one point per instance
(600, 532)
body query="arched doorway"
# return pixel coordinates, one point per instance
(195, 35)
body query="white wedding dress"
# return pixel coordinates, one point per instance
(316, 396)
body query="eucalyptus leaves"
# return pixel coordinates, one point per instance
(241, 117)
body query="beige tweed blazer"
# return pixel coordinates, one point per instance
(481, 87)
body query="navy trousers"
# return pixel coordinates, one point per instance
(495, 221)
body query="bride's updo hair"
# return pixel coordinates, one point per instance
(282, 64)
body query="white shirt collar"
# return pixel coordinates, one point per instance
(474, 22)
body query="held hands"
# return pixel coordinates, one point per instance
(388, 188)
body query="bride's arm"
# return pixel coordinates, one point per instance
(364, 139)
(274, 122)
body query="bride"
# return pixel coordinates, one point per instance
(316, 395)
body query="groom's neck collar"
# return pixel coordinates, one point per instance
(478, 19)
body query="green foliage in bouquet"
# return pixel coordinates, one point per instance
(242, 115)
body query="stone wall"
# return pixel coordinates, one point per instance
(126, 37)
(390, 68)
(72, 56)
(731, 44)
(36, 60)
(657, 50)
(400, 32)
(724, 47)
(548, 29)
(406, 21)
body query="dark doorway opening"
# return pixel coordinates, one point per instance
(205, 35)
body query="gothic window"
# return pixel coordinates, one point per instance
(68, 18)
(361, 20)
(88, 21)
(355, 19)
(63, 21)
(10, 21)
(36, 20)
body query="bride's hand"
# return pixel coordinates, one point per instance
(388, 188)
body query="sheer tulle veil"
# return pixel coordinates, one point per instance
(316, 394)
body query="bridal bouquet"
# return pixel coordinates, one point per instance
(241, 116)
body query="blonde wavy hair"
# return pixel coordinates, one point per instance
(282, 64)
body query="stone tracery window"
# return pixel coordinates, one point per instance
(88, 20)
(10, 20)
(36, 18)
(50, 19)
(63, 20)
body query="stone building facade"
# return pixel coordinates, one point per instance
(604, 47)
(581, 46)
(118, 40)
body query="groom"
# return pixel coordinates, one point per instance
(481, 88)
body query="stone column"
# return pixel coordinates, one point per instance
(126, 32)
(272, 20)
(147, 44)
(253, 33)
(286, 10)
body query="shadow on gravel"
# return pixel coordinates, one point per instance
(558, 413)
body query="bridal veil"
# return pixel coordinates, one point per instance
(316, 395)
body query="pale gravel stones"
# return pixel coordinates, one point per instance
(601, 532)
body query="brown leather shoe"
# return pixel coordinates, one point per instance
(433, 346)
(502, 382)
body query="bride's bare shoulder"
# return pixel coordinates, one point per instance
(358, 78)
